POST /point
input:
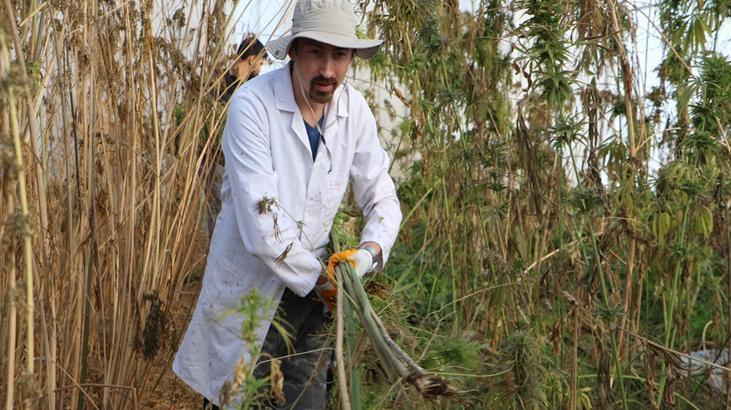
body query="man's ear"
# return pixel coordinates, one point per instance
(293, 48)
(250, 60)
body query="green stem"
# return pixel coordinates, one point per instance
(450, 246)
(670, 310)
(605, 293)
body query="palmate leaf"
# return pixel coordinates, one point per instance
(695, 37)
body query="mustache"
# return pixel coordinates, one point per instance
(324, 81)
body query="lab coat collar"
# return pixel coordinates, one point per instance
(284, 96)
(283, 91)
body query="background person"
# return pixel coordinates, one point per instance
(250, 57)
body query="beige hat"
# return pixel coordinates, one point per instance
(327, 21)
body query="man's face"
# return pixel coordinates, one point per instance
(322, 68)
(249, 67)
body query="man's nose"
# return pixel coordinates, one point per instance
(327, 67)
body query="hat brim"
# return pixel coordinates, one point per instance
(363, 48)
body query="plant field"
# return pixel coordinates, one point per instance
(566, 240)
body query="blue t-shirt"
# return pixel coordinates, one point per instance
(314, 136)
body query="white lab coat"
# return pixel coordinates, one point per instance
(268, 155)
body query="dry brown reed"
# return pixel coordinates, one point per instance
(112, 114)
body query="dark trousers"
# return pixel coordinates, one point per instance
(305, 367)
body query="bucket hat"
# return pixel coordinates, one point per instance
(327, 21)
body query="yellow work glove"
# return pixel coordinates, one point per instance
(328, 293)
(360, 259)
(334, 260)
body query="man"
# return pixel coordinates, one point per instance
(293, 140)
(250, 57)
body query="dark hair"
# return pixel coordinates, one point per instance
(293, 46)
(251, 46)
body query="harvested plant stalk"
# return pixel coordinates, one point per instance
(396, 362)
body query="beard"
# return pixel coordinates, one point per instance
(319, 96)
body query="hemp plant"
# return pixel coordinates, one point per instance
(247, 391)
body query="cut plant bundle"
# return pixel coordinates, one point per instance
(396, 362)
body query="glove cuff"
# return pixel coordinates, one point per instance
(366, 261)
(374, 256)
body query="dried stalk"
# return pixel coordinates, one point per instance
(574, 387)
(10, 295)
(12, 334)
(728, 289)
(116, 152)
(27, 245)
(627, 78)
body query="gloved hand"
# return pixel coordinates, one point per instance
(328, 292)
(360, 259)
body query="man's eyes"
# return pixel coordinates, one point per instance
(337, 54)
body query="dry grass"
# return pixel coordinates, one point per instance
(114, 113)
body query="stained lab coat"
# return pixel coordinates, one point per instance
(268, 156)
